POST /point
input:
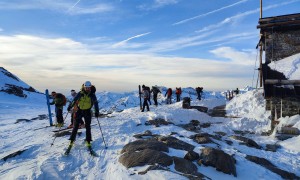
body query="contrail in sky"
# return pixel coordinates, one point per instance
(211, 12)
(74, 5)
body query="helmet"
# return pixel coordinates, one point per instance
(87, 84)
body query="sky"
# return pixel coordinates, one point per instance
(118, 44)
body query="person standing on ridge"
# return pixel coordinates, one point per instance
(147, 89)
(178, 94)
(146, 96)
(58, 101)
(86, 100)
(199, 91)
(169, 96)
(155, 92)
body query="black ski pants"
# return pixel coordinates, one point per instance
(87, 115)
(155, 99)
(59, 115)
(145, 104)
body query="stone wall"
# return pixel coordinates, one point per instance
(281, 44)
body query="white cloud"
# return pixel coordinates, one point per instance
(157, 4)
(63, 64)
(208, 13)
(63, 7)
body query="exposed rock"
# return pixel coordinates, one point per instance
(157, 122)
(228, 142)
(145, 157)
(191, 156)
(146, 135)
(248, 142)
(218, 159)
(145, 144)
(202, 138)
(13, 154)
(272, 147)
(193, 125)
(267, 164)
(242, 132)
(200, 108)
(40, 117)
(22, 120)
(175, 143)
(218, 111)
(205, 125)
(184, 166)
(221, 133)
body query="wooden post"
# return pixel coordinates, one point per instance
(260, 51)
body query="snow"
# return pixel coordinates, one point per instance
(246, 112)
(289, 66)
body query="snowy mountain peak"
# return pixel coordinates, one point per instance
(13, 85)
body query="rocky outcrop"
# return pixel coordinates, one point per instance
(267, 164)
(248, 142)
(145, 144)
(144, 157)
(175, 143)
(218, 159)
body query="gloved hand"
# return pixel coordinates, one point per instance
(69, 108)
(96, 114)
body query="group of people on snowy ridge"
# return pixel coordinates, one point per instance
(146, 93)
(80, 107)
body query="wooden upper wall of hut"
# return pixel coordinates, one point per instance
(280, 36)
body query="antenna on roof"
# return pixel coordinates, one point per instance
(260, 8)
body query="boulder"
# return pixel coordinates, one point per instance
(219, 159)
(191, 156)
(248, 142)
(184, 166)
(145, 157)
(175, 143)
(145, 144)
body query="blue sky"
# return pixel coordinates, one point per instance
(118, 44)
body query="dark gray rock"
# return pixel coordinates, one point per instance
(157, 122)
(217, 158)
(248, 142)
(272, 147)
(267, 164)
(205, 125)
(13, 154)
(202, 138)
(184, 166)
(191, 156)
(175, 143)
(145, 157)
(145, 144)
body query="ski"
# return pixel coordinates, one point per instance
(67, 152)
(92, 152)
(59, 130)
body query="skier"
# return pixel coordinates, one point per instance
(155, 92)
(178, 94)
(86, 100)
(58, 101)
(199, 91)
(146, 96)
(147, 89)
(169, 96)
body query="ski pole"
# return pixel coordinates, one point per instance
(101, 133)
(59, 130)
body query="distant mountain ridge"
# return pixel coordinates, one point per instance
(11, 84)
